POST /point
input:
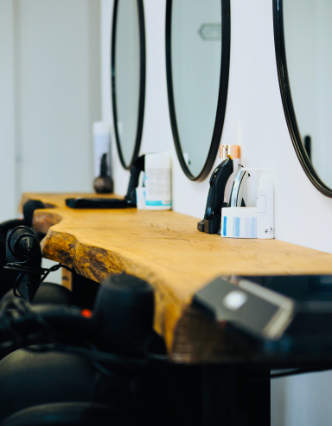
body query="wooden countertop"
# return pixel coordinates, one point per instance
(165, 249)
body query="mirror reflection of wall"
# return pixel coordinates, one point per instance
(195, 48)
(308, 34)
(126, 74)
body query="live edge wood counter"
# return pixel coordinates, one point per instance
(165, 249)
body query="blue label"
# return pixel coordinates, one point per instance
(224, 227)
(157, 203)
(236, 226)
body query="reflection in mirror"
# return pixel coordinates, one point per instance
(197, 58)
(128, 77)
(302, 35)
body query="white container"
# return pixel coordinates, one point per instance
(158, 188)
(141, 192)
(265, 207)
(239, 222)
(140, 198)
(101, 145)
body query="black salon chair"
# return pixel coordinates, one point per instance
(52, 293)
(12, 232)
(68, 414)
(38, 387)
(53, 388)
(48, 293)
(33, 378)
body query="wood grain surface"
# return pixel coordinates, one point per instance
(165, 249)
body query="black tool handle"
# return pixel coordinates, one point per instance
(97, 203)
(113, 203)
(215, 201)
(135, 170)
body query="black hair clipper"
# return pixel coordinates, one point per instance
(215, 201)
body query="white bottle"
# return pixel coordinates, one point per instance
(140, 192)
(158, 191)
(101, 145)
(265, 207)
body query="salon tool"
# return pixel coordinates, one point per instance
(22, 262)
(11, 279)
(121, 321)
(113, 203)
(234, 151)
(238, 188)
(278, 314)
(215, 201)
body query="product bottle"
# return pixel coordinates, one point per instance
(265, 207)
(103, 182)
(158, 181)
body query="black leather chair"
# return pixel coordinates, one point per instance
(34, 378)
(67, 414)
(34, 382)
(49, 293)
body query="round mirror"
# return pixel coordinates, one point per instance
(128, 77)
(302, 31)
(197, 64)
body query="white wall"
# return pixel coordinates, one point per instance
(49, 96)
(254, 119)
(56, 95)
(8, 180)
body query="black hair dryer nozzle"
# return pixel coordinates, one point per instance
(215, 202)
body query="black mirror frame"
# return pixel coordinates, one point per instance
(222, 95)
(280, 51)
(141, 100)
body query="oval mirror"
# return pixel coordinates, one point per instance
(304, 59)
(128, 77)
(197, 64)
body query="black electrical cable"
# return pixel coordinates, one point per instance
(53, 269)
(20, 266)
